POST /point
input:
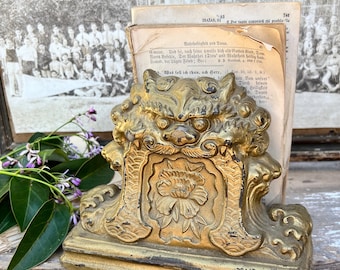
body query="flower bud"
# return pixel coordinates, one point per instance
(76, 181)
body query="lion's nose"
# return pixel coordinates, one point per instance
(181, 135)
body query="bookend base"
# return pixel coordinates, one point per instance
(83, 250)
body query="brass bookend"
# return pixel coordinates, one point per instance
(194, 166)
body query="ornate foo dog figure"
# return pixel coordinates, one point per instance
(192, 155)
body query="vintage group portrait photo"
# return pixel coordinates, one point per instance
(60, 57)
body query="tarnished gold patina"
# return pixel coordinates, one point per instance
(194, 166)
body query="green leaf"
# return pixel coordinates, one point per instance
(4, 184)
(41, 141)
(44, 235)
(7, 219)
(72, 166)
(36, 136)
(54, 142)
(53, 154)
(27, 196)
(95, 172)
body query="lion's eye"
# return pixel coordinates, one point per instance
(208, 86)
(211, 88)
(162, 123)
(200, 124)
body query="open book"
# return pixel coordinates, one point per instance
(257, 42)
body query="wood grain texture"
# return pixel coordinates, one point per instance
(316, 185)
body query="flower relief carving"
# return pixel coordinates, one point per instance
(181, 194)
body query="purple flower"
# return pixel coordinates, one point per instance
(76, 181)
(71, 149)
(93, 150)
(88, 135)
(6, 164)
(90, 114)
(91, 111)
(77, 193)
(30, 165)
(11, 162)
(39, 160)
(32, 156)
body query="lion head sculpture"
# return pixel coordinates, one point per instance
(173, 114)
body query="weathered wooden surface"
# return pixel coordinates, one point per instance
(316, 185)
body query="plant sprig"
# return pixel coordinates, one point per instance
(41, 182)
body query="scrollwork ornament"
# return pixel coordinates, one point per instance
(294, 226)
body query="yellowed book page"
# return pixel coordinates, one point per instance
(242, 13)
(215, 50)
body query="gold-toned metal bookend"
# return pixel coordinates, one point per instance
(194, 166)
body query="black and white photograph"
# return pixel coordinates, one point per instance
(66, 55)
(55, 52)
(317, 95)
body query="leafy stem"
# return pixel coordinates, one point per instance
(52, 135)
(51, 187)
(39, 184)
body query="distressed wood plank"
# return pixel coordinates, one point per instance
(316, 185)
